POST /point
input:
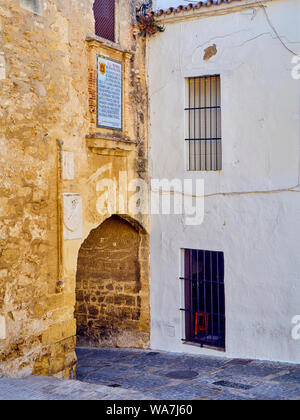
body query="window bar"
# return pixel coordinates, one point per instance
(212, 295)
(207, 139)
(198, 291)
(191, 292)
(189, 123)
(210, 133)
(195, 161)
(218, 288)
(216, 80)
(200, 126)
(205, 124)
(187, 294)
(204, 282)
(202, 107)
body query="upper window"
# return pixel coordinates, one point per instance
(203, 123)
(104, 12)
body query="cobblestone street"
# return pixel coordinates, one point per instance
(116, 374)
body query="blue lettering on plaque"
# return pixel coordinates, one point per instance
(109, 79)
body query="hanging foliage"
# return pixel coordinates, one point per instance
(148, 26)
(146, 21)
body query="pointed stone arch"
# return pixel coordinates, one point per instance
(112, 291)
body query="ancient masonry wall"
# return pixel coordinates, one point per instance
(111, 307)
(45, 112)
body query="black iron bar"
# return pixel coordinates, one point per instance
(210, 313)
(211, 294)
(198, 290)
(200, 123)
(190, 124)
(200, 280)
(218, 297)
(204, 283)
(195, 162)
(216, 81)
(202, 107)
(210, 129)
(205, 123)
(208, 139)
(191, 292)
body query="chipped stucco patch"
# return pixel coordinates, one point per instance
(210, 52)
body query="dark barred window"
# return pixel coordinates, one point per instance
(104, 12)
(204, 298)
(203, 123)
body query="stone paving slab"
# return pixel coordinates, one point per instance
(42, 388)
(184, 392)
(117, 374)
(292, 377)
(155, 373)
(144, 383)
(109, 374)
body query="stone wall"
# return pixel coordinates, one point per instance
(109, 308)
(44, 112)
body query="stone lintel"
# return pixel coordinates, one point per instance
(110, 145)
(97, 41)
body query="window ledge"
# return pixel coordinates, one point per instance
(203, 346)
(101, 144)
(106, 43)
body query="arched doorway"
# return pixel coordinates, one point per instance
(112, 308)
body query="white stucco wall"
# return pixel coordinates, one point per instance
(165, 4)
(252, 208)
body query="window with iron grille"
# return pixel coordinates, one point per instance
(203, 123)
(104, 12)
(204, 295)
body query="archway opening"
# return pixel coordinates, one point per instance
(111, 308)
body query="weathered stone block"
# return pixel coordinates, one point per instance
(59, 332)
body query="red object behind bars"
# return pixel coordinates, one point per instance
(204, 320)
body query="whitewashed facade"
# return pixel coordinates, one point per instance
(252, 206)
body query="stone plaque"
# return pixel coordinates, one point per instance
(34, 6)
(72, 216)
(109, 102)
(68, 165)
(2, 66)
(2, 328)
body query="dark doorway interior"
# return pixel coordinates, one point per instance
(204, 298)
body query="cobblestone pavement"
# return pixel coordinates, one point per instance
(116, 374)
